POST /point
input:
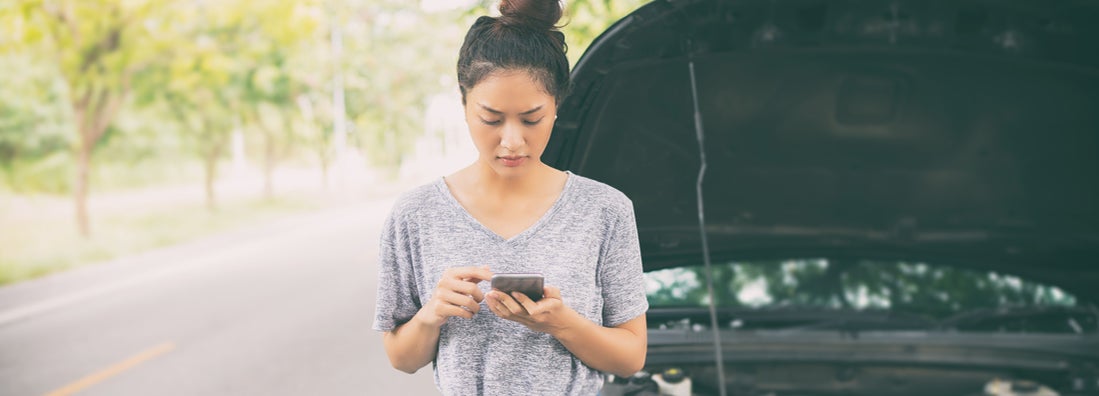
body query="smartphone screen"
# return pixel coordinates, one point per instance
(529, 284)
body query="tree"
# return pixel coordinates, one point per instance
(190, 95)
(264, 66)
(391, 68)
(193, 85)
(98, 46)
(270, 34)
(240, 66)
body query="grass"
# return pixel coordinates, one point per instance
(32, 246)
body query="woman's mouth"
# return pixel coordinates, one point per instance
(512, 160)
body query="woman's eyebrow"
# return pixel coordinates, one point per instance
(494, 111)
(531, 111)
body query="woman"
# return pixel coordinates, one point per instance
(509, 212)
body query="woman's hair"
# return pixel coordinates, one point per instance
(524, 38)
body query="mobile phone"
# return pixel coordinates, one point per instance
(529, 284)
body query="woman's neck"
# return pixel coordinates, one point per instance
(486, 181)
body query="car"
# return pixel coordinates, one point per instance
(886, 197)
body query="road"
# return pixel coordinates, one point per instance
(279, 309)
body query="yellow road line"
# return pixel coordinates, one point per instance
(114, 370)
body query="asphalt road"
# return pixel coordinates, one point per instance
(279, 309)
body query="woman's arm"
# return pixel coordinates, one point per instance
(617, 350)
(412, 345)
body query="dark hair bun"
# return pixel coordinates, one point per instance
(539, 15)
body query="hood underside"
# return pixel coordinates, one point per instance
(963, 132)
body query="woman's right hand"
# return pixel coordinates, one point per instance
(457, 294)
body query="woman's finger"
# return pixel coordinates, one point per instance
(462, 287)
(551, 292)
(509, 303)
(457, 299)
(497, 307)
(472, 274)
(528, 305)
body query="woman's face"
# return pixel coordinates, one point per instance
(510, 117)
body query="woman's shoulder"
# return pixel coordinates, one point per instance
(594, 192)
(417, 199)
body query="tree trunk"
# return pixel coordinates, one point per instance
(214, 137)
(210, 162)
(268, 164)
(93, 112)
(324, 173)
(80, 193)
(8, 165)
(83, 163)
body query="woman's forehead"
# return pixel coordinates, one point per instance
(510, 91)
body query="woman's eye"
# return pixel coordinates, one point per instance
(535, 122)
(492, 122)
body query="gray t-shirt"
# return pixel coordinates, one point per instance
(586, 245)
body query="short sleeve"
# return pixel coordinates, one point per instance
(621, 275)
(397, 300)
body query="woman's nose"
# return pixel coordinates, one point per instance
(511, 137)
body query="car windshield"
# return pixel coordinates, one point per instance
(916, 295)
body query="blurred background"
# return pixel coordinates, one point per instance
(190, 190)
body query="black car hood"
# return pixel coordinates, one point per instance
(964, 132)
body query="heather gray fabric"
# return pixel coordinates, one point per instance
(586, 245)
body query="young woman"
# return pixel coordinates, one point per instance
(509, 212)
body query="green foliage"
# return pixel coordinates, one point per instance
(33, 118)
(51, 174)
(152, 90)
(198, 70)
(394, 58)
(207, 68)
(586, 20)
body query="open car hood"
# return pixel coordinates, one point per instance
(963, 132)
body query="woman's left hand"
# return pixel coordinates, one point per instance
(548, 315)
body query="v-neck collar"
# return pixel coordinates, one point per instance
(525, 234)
